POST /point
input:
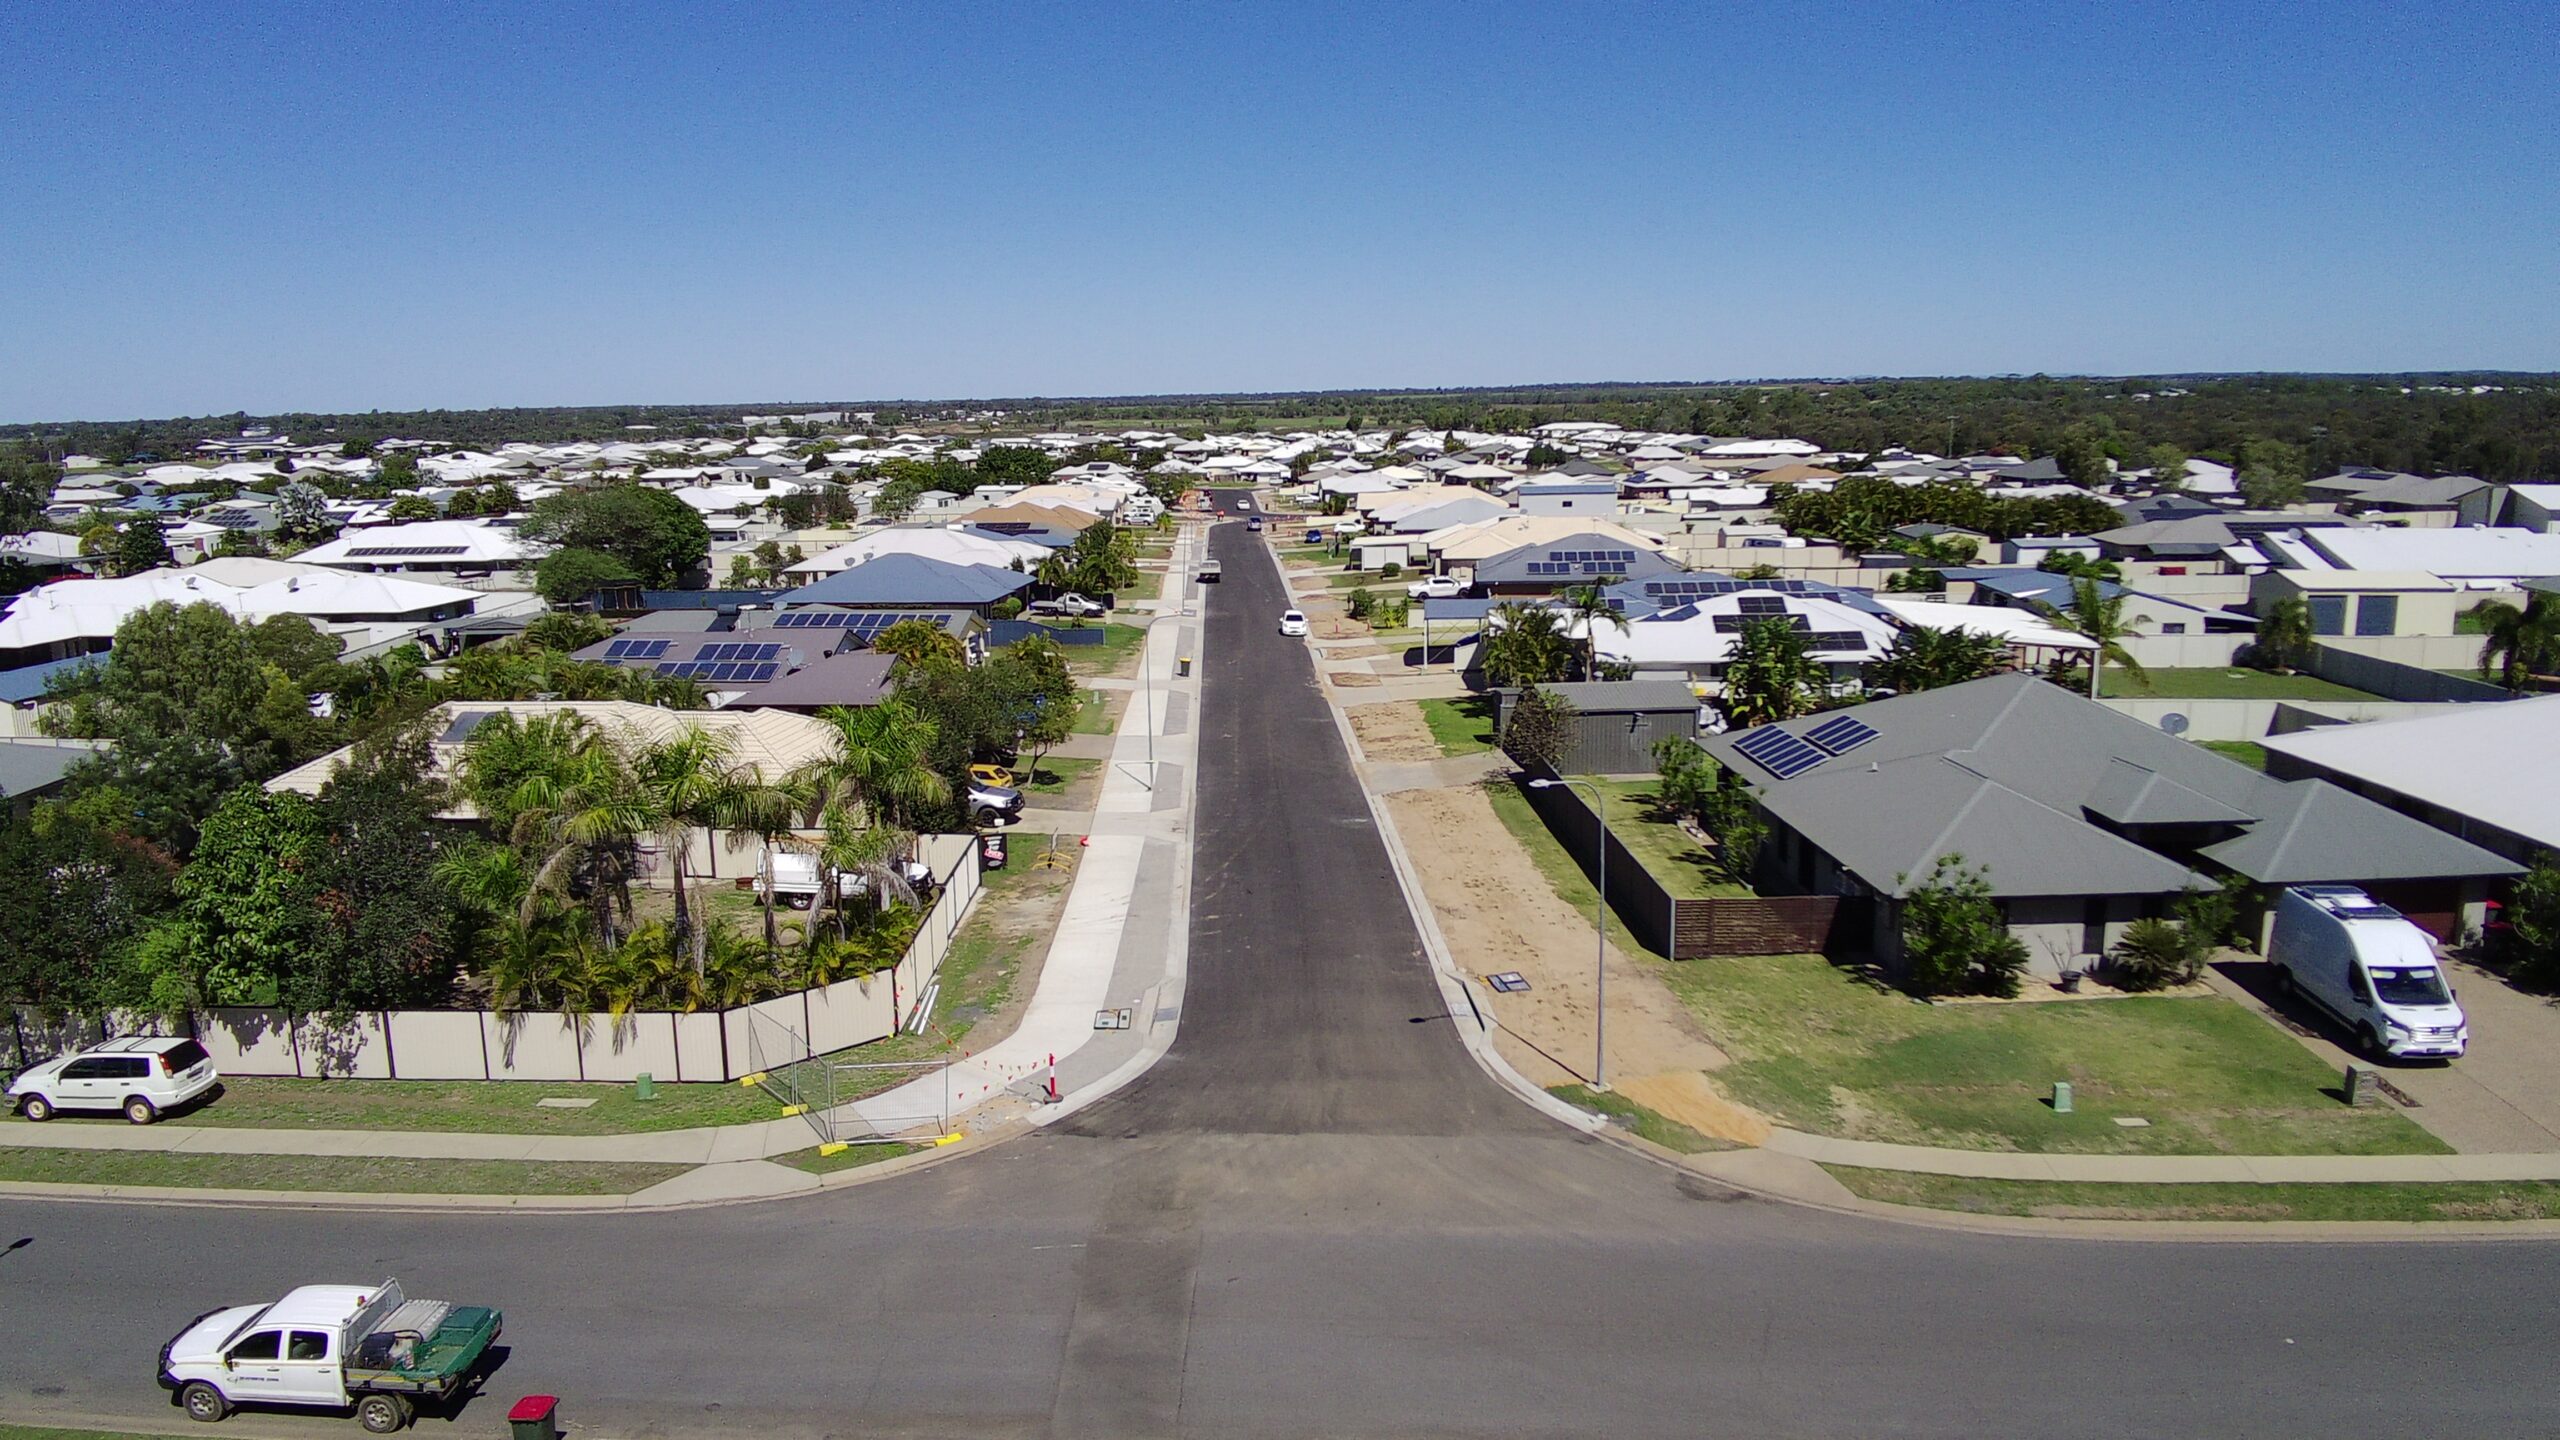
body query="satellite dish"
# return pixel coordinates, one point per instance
(2174, 723)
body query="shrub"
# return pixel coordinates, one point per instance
(1540, 729)
(1953, 939)
(1390, 570)
(2156, 954)
(1362, 602)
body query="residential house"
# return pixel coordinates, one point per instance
(911, 582)
(2489, 773)
(1693, 641)
(2364, 602)
(459, 548)
(2082, 819)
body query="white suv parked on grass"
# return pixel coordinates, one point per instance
(141, 1075)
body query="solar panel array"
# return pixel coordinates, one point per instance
(1778, 752)
(1840, 734)
(621, 650)
(860, 622)
(741, 672)
(1583, 562)
(736, 652)
(379, 552)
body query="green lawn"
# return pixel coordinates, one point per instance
(1668, 1133)
(1565, 877)
(2219, 683)
(1056, 776)
(499, 1106)
(1654, 837)
(1822, 1049)
(2247, 752)
(351, 1173)
(1094, 712)
(2442, 1200)
(1119, 643)
(1463, 726)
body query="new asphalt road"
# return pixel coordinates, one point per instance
(1316, 1217)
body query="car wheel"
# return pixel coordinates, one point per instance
(140, 1111)
(2284, 983)
(2370, 1040)
(382, 1414)
(203, 1402)
(36, 1108)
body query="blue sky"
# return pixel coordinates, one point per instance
(339, 207)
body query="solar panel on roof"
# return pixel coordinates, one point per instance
(462, 726)
(1840, 734)
(1834, 641)
(761, 673)
(1779, 753)
(1761, 605)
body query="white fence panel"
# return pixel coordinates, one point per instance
(249, 1042)
(622, 1051)
(852, 1012)
(532, 1047)
(699, 1054)
(439, 1044)
(346, 1048)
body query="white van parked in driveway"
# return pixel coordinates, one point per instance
(2371, 968)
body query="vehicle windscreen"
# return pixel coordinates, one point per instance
(2413, 985)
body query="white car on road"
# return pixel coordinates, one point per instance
(1293, 623)
(141, 1075)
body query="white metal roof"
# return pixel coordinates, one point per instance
(2017, 627)
(2497, 762)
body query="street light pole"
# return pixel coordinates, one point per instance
(1600, 932)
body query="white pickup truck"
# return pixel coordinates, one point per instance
(331, 1347)
(793, 878)
(1435, 587)
(1070, 604)
(1211, 572)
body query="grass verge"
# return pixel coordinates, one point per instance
(1094, 713)
(1119, 645)
(497, 1106)
(1057, 776)
(1822, 1049)
(1463, 726)
(2080, 1200)
(1563, 876)
(2219, 683)
(1647, 1124)
(353, 1173)
(850, 1158)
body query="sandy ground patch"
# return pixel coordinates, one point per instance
(1690, 1098)
(1498, 913)
(1351, 677)
(1393, 732)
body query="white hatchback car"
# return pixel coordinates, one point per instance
(141, 1075)
(1292, 623)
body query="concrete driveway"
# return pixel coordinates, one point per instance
(2502, 1098)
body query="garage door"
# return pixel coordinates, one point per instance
(2435, 905)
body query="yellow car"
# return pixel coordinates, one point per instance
(991, 775)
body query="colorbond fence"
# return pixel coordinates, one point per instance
(482, 1045)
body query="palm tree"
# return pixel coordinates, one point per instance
(770, 810)
(559, 792)
(1926, 659)
(685, 784)
(1589, 609)
(846, 849)
(2519, 644)
(2100, 618)
(1524, 645)
(2284, 634)
(883, 762)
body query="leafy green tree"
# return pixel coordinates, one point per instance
(2168, 464)
(657, 537)
(1541, 729)
(2272, 474)
(2083, 458)
(567, 630)
(2531, 943)
(569, 576)
(1524, 645)
(1771, 674)
(916, 643)
(1922, 658)
(2073, 563)
(393, 931)
(141, 544)
(415, 507)
(250, 895)
(1014, 465)
(399, 470)
(79, 884)
(1694, 786)
(2518, 644)
(2284, 636)
(1954, 941)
